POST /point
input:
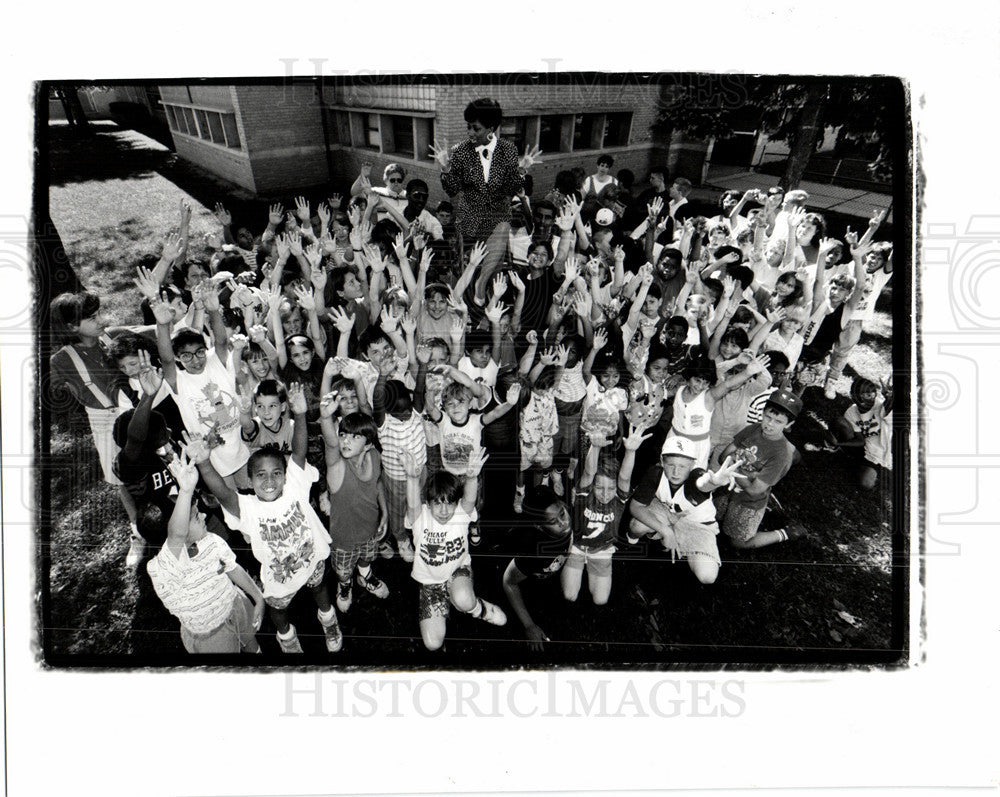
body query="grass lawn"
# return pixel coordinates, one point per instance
(115, 194)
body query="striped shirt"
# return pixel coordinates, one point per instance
(397, 436)
(196, 591)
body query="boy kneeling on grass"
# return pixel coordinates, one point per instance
(442, 564)
(674, 504)
(196, 576)
(282, 528)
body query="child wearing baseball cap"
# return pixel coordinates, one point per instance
(674, 504)
(765, 456)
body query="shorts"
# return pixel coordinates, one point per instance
(236, 632)
(537, 453)
(434, 600)
(598, 563)
(314, 581)
(738, 520)
(685, 537)
(570, 414)
(344, 561)
(102, 424)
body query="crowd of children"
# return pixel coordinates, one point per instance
(343, 385)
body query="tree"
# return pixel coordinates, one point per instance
(865, 111)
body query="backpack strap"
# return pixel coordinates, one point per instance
(81, 369)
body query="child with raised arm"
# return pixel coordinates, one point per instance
(443, 565)
(284, 531)
(205, 386)
(598, 505)
(354, 481)
(196, 576)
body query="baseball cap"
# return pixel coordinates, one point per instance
(605, 217)
(679, 446)
(785, 399)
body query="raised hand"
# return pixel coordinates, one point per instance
(297, 398)
(195, 447)
(878, 216)
(295, 242)
(314, 255)
(494, 310)
(441, 153)
(728, 286)
(210, 296)
(456, 305)
(146, 284)
(530, 158)
(150, 378)
(635, 438)
(291, 223)
(302, 210)
(826, 245)
(283, 247)
(162, 311)
(399, 247)
(532, 337)
(171, 247)
(566, 218)
(759, 364)
(408, 323)
(258, 333)
(476, 462)
(306, 298)
(329, 404)
(420, 240)
(426, 256)
(727, 470)
(389, 321)
(373, 257)
(335, 200)
(549, 356)
(776, 315)
(654, 209)
(275, 214)
(478, 254)
(572, 269)
(691, 272)
(514, 393)
(499, 285)
(341, 320)
(324, 218)
(223, 215)
(600, 339)
(184, 472)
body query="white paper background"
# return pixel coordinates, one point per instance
(205, 733)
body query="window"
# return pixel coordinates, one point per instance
(515, 131)
(583, 131)
(206, 124)
(391, 134)
(399, 139)
(616, 129)
(550, 134)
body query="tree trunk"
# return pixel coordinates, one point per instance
(807, 135)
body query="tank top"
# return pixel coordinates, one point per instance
(829, 330)
(354, 508)
(691, 418)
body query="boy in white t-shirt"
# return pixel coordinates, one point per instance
(205, 389)
(286, 535)
(443, 565)
(866, 428)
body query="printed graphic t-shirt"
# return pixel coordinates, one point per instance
(441, 548)
(286, 535)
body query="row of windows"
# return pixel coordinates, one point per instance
(411, 136)
(215, 126)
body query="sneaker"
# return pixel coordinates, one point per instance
(406, 550)
(291, 645)
(373, 584)
(334, 639)
(344, 596)
(385, 550)
(492, 613)
(519, 500)
(830, 391)
(796, 531)
(474, 537)
(136, 549)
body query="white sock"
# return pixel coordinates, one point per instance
(328, 617)
(289, 634)
(365, 571)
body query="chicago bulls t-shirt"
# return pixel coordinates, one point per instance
(441, 548)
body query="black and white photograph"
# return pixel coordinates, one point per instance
(609, 385)
(474, 371)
